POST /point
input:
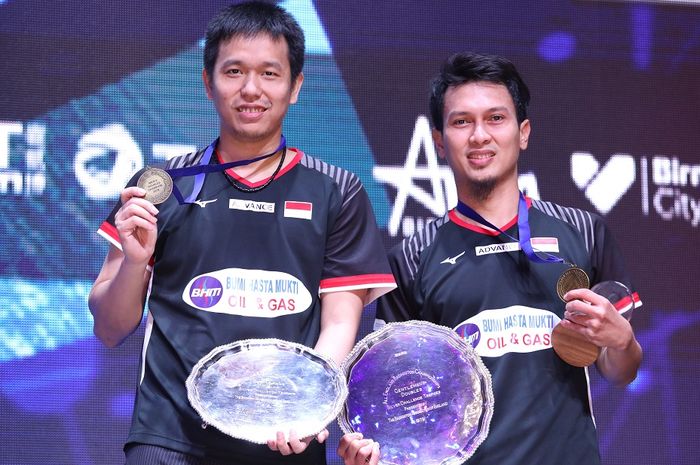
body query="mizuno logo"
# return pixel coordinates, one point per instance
(453, 260)
(203, 203)
(603, 186)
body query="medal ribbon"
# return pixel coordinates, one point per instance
(199, 171)
(523, 231)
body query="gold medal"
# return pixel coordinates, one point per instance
(572, 278)
(157, 183)
(571, 346)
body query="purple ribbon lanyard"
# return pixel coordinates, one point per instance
(523, 230)
(199, 171)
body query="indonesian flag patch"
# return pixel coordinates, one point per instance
(301, 210)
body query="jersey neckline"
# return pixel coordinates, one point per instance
(295, 161)
(480, 229)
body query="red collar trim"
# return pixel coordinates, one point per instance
(481, 230)
(295, 161)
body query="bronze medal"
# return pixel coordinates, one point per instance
(572, 278)
(157, 183)
(573, 348)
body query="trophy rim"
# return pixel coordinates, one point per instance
(338, 380)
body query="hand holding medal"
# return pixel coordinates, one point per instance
(592, 321)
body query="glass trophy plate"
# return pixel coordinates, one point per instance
(252, 389)
(619, 295)
(420, 391)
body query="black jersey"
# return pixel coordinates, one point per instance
(236, 265)
(478, 282)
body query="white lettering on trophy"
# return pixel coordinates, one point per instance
(408, 393)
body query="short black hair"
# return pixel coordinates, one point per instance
(465, 67)
(248, 20)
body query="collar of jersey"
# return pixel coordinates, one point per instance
(297, 157)
(481, 230)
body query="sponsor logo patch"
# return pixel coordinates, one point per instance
(205, 291)
(470, 333)
(539, 244)
(249, 205)
(516, 329)
(241, 291)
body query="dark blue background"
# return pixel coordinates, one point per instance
(607, 78)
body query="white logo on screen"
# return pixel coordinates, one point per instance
(97, 147)
(27, 178)
(102, 143)
(667, 187)
(603, 186)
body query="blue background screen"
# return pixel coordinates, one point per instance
(92, 91)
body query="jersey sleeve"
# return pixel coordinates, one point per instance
(355, 257)
(608, 265)
(399, 304)
(108, 229)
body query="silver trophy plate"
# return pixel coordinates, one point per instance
(254, 388)
(420, 391)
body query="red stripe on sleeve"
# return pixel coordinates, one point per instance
(360, 280)
(110, 230)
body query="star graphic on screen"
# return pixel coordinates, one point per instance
(403, 178)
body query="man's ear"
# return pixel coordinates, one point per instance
(524, 134)
(296, 88)
(207, 83)
(437, 138)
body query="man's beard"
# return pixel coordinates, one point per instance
(482, 189)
